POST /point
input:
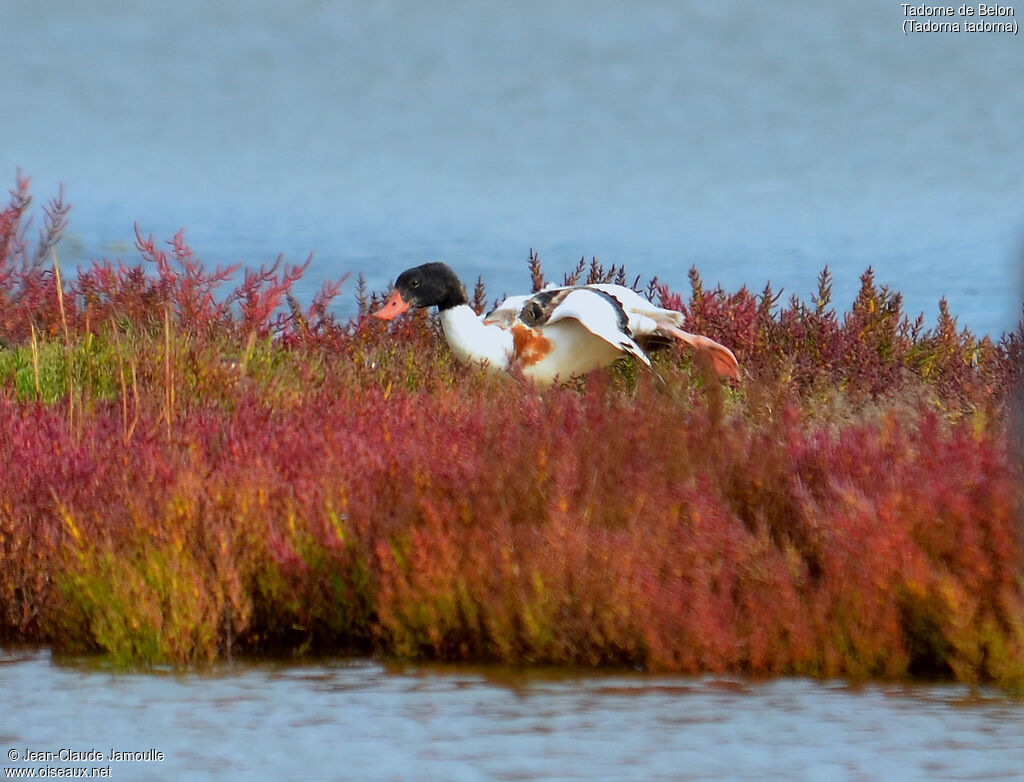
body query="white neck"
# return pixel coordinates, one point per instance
(473, 342)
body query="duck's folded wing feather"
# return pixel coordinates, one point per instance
(506, 313)
(599, 314)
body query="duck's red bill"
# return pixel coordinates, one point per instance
(393, 307)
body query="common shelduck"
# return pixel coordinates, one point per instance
(555, 333)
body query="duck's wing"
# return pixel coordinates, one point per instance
(644, 315)
(506, 314)
(653, 324)
(594, 310)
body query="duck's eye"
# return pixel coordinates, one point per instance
(414, 283)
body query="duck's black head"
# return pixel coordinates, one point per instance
(429, 285)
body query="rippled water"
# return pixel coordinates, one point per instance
(363, 720)
(758, 141)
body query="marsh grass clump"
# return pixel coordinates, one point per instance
(195, 468)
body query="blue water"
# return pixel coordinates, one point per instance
(757, 141)
(361, 720)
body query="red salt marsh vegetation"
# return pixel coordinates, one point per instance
(196, 465)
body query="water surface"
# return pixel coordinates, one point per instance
(364, 720)
(757, 141)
